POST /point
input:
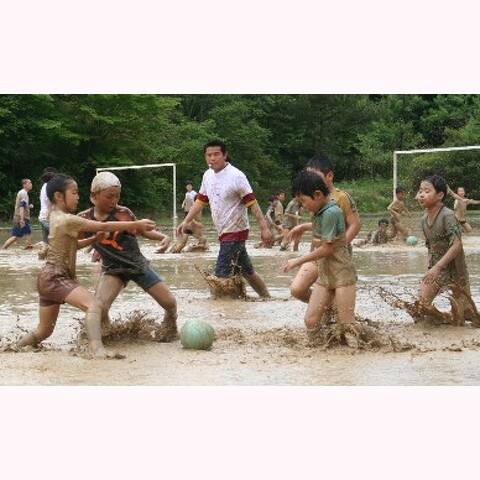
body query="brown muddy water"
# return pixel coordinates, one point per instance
(257, 342)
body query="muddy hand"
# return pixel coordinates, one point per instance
(287, 266)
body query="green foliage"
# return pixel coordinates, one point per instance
(269, 136)
(371, 196)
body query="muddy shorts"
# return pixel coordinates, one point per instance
(144, 280)
(233, 258)
(54, 285)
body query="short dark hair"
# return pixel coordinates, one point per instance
(320, 162)
(399, 190)
(307, 183)
(438, 183)
(215, 143)
(272, 198)
(189, 182)
(383, 221)
(58, 183)
(48, 173)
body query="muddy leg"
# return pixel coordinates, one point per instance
(303, 281)
(108, 288)
(257, 283)
(47, 320)
(167, 330)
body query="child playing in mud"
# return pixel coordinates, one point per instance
(274, 225)
(460, 209)
(397, 208)
(336, 271)
(446, 258)
(380, 236)
(291, 218)
(322, 166)
(57, 282)
(122, 259)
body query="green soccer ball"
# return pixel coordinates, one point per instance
(197, 335)
(411, 240)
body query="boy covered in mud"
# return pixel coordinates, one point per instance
(447, 268)
(322, 166)
(380, 236)
(460, 209)
(274, 224)
(397, 208)
(291, 218)
(122, 259)
(336, 271)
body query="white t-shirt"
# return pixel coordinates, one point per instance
(189, 200)
(225, 191)
(45, 203)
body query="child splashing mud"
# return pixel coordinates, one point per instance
(57, 282)
(122, 259)
(336, 272)
(447, 268)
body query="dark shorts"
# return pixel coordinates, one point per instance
(54, 285)
(233, 258)
(18, 231)
(144, 280)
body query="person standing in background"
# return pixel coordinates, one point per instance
(21, 217)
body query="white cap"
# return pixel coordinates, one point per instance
(104, 180)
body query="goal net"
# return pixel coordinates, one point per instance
(155, 201)
(409, 173)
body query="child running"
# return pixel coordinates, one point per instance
(122, 259)
(57, 282)
(446, 259)
(336, 271)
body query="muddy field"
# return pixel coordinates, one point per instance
(257, 342)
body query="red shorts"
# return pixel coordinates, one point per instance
(54, 285)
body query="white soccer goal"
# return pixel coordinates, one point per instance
(174, 183)
(397, 153)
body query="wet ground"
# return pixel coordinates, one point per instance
(257, 342)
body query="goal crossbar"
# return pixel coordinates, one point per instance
(155, 165)
(397, 153)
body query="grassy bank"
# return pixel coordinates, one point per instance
(371, 196)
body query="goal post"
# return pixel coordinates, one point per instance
(174, 183)
(397, 153)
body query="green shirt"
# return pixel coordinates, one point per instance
(329, 222)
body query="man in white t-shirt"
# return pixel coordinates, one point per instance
(227, 190)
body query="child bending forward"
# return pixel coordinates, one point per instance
(336, 271)
(57, 281)
(446, 259)
(122, 259)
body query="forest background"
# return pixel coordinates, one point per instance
(269, 137)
